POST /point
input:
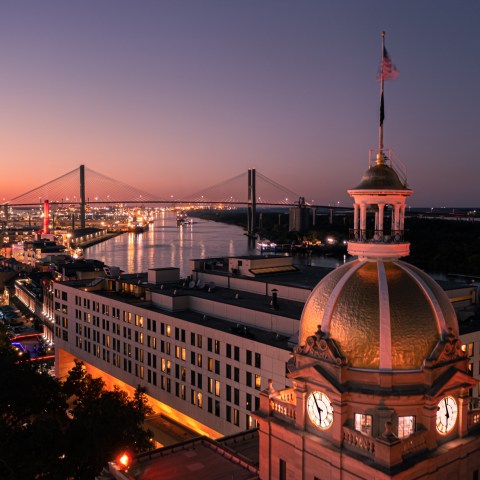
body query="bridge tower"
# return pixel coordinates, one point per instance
(252, 202)
(82, 196)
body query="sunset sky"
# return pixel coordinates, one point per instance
(173, 96)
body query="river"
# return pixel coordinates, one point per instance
(166, 245)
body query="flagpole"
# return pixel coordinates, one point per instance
(380, 158)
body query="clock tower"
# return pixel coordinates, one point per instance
(381, 388)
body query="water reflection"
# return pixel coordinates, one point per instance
(166, 245)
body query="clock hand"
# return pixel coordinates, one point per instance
(447, 415)
(318, 408)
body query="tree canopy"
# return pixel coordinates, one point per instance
(54, 430)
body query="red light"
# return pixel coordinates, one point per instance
(124, 460)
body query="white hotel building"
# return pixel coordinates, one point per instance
(203, 347)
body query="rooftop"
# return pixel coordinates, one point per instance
(200, 458)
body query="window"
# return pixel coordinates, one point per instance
(236, 374)
(406, 426)
(210, 405)
(209, 344)
(192, 339)
(229, 371)
(217, 367)
(229, 413)
(249, 379)
(236, 355)
(229, 350)
(249, 357)
(469, 349)
(282, 470)
(249, 402)
(258, 360)
(258, 382)
(229, 393)
(363, 423)
(217, 346)
(210, 364)
(217, 408)
(236, 396)
(217, 388)
(236, 417)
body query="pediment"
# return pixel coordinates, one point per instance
(314, 374)
(452, 380)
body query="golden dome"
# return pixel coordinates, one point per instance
(381, 314)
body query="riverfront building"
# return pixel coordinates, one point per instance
(203, 349)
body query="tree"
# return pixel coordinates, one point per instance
(104, 422)
(32, 417)
(34, 422)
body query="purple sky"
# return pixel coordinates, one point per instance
(173, 96)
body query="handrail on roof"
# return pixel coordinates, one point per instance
(391, 160)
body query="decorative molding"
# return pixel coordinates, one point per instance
(448, 349)
(320, 346)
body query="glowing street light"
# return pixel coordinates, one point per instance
(124, 460)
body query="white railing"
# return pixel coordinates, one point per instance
(356, 439)
(414, 443)
(285, 409)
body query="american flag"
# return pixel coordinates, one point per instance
(387, 70)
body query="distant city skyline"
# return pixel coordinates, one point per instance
(176, 96)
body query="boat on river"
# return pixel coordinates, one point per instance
(266, 245)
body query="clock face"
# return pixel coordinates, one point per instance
(447, 412)
(320, 410)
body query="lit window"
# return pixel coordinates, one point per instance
(363, 423)
(168, 330)
(217, 388)
(258, 382)
(406, 426)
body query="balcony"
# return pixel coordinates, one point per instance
(376, 236)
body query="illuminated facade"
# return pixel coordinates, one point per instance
(203, 351)
(381, 383)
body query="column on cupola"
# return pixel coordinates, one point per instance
(381, 208)
(363, 220)
(355, 219)
(396, 218)
(402, 217)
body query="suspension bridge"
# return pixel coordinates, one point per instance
(84, 186)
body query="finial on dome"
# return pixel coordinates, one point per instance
(381, 158)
